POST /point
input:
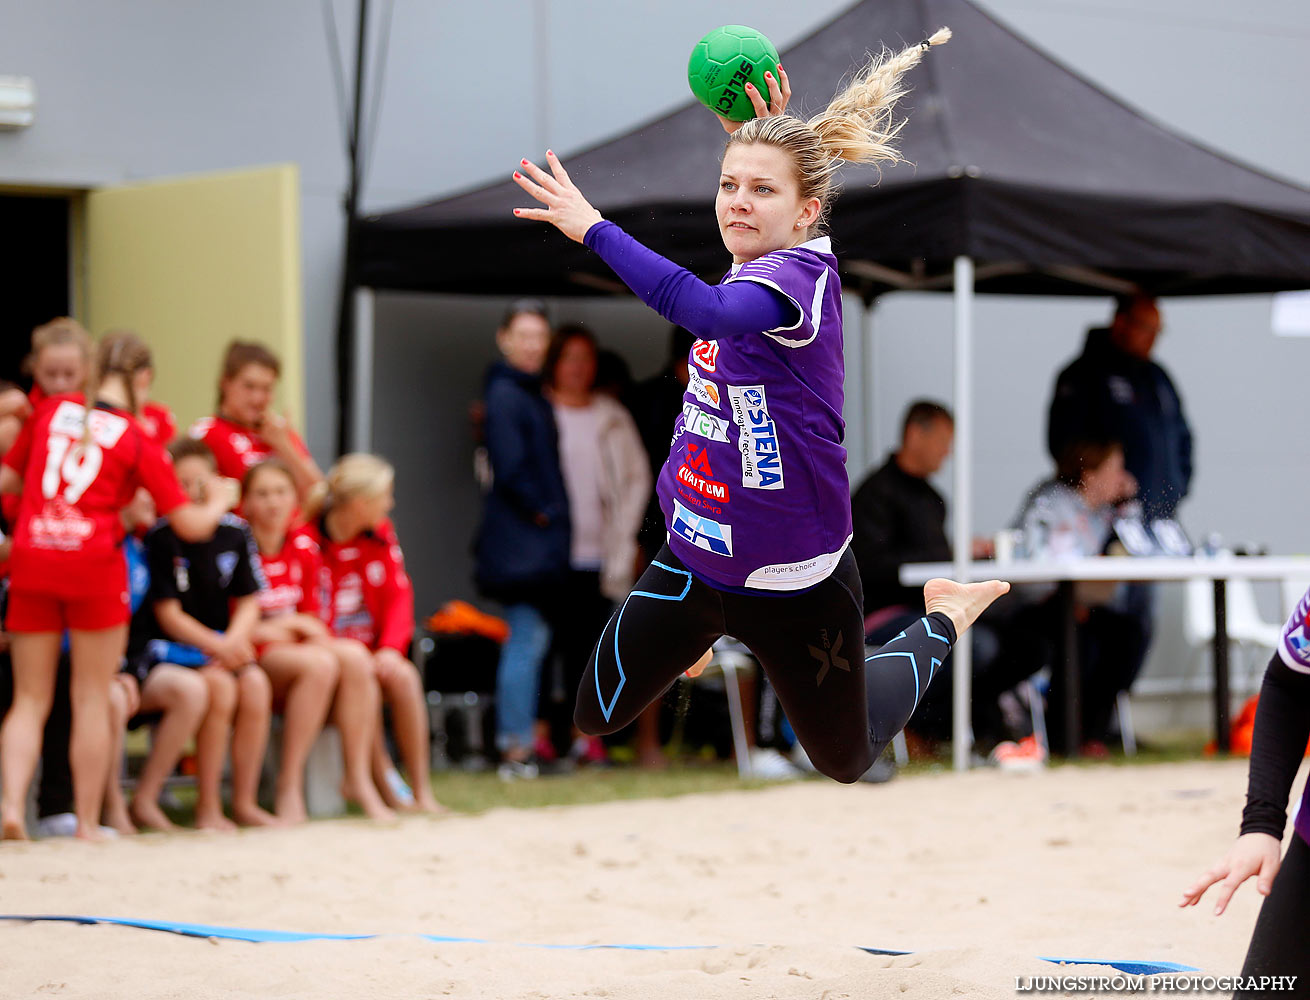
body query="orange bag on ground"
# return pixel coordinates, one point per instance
(462, 618)
(1243, 729)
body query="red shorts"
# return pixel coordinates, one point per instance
(31, 611)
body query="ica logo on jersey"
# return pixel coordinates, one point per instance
(761, 461)
(696, 473)
(706, 354)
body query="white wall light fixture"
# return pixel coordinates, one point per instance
(17, 102)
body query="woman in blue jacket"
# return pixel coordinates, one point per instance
(522, 547)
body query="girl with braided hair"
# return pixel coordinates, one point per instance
(754, 491)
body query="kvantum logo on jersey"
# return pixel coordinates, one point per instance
(761, 461)
(696, 473)
(697, 421)
(702, 532)
(702, 388)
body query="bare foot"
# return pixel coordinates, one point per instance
(13, 829)
(962, 603)
(367, 798)
(427, 803)
(290, 807)
(383, 788)
(252, 815)
(91, 833)
(149, 816)
(117, 818)
(214, 820)
(697, 668)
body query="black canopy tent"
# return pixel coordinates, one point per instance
(1021, 178)
(1014, 161)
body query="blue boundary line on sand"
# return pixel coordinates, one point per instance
(260, 936)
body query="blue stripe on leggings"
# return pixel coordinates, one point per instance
(608, 710)
(927, 625)
(914, 665)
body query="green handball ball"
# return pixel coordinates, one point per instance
(723, 62)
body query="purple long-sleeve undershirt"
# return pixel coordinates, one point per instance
(708, 311)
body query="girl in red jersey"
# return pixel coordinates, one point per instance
(307, 665)
(82, 467)
(371, 600)
(60, 359)
(245, 431)
(157, 419)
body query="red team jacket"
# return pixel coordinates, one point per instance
(236, 448)
(67, 531)
(159, 422)
(369, 596)
(294, 579)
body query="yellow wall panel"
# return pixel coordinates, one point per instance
(193, 262)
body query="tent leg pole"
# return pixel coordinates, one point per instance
(870, 428)
(361, 417)
(962, 519)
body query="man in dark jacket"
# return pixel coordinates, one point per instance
(899, 518)
(1113, 391)
(522, 546)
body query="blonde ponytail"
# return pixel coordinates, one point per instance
(858, 126)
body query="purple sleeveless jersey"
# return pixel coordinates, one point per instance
(1294, 650)
(754, 491)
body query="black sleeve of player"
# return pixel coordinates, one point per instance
(161, 550)
(247, 577)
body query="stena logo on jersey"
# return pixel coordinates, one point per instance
(761, 461)
(702, 388)
(701, 532)
(706, 354)
(697, 421)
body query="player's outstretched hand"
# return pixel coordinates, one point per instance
(779, 95)
(566, 208)
(1251, 854)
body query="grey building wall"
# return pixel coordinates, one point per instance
(143, 88)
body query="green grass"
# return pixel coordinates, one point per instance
(478, 792)
(1165, 749)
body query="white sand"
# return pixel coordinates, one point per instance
(977, 874)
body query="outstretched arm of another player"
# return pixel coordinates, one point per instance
(1251, 854)
(779, 95)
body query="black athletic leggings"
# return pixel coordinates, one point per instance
(1278, 945)
(810, 644)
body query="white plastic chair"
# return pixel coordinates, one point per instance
(730, 660)
(1293, 589)
(1247, 631)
